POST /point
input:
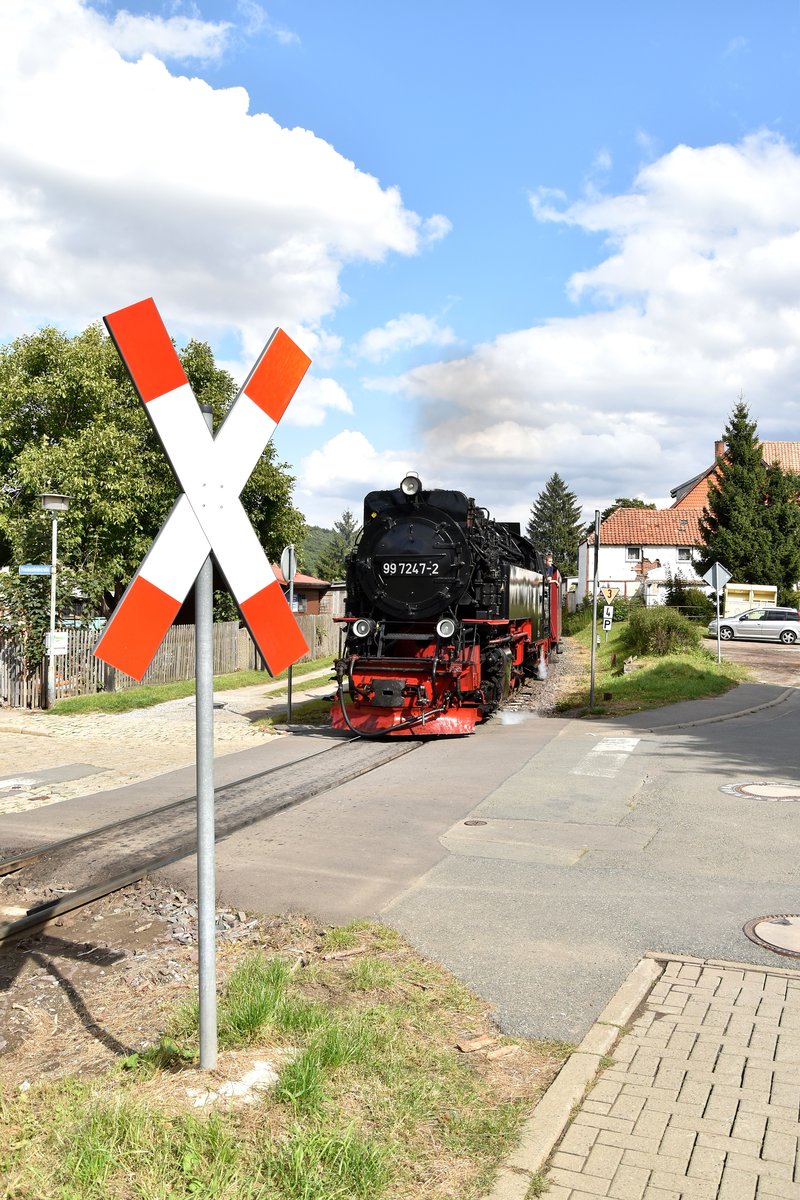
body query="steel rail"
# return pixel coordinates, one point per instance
(43, 913)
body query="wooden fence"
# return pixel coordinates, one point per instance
(79, 673)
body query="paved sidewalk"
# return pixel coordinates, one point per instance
(703, 1099)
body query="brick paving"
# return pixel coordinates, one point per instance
(702, 1099)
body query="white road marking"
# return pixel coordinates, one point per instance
(606, 758)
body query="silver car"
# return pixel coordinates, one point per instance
(771, 624)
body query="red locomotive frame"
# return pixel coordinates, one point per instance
(432, 687)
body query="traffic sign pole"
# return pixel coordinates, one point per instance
(204, 742)
(718, 577)
(289, 569)
(594, 602)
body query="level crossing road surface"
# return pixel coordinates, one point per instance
(538, 859)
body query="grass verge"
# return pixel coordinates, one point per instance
(373, 1099)
(655, 681)
(148, 695)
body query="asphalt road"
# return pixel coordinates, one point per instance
(770, 662)
(538, 859)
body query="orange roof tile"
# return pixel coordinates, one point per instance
(300, 580)
(786, 453)
(651, 527)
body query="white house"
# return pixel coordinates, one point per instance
(642, 546)
(639, 549)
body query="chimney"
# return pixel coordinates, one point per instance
(719, 450)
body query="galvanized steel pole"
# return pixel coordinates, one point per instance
(51, 662)
(204, 743)
(594, 601)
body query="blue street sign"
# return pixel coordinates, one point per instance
(35, 569)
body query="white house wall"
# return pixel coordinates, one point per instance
(615, 571)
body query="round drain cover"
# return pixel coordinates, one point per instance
(474, 822)
(765, 789)
(780, 933)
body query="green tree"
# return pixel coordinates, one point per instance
(555, 524)
(751, 523)
(623, 502)
(315, 542)
(331, 562)
(71, 422)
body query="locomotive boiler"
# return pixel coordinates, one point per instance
(447, 611)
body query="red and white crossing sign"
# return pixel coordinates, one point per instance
(208, 516)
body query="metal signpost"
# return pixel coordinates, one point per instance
(717, 578)
(207, 518)
(289, 569)
(594, 602)
(608, 618)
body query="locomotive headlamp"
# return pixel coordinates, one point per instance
(362, 627)
(411, 484)
(446, 628)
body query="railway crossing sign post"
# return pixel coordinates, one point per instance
(208, 517)
(717, 577)
(289, 569)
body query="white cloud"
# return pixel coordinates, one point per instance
(314, 398)
(340, 473)
(694, 300)
(122, 180)
(173, 37)
(404, 333)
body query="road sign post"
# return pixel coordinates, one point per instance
(717, 578)
(594, 603)
(207, 518)
(289, 570)
(204, 743)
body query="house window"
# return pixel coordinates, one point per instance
(633, 553)
(684, 554)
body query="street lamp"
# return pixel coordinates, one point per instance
(53, 503)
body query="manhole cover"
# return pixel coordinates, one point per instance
(780, 933)
(765, 789)
(474, 822)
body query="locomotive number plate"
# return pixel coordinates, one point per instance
(424, 565)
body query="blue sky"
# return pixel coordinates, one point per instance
(517, 240)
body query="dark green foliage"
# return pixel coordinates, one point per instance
(623, 502)
(691, 601)
(752, 521)
(555, 524)
(314, 544)
(331, 562)
(71, 422)
(660, 630)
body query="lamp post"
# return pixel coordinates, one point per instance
(53, 503)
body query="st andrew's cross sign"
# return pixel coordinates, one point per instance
(208, 515)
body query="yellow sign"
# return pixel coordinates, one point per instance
(609, 594)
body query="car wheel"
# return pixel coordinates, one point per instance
(726, 633)
(788, 637)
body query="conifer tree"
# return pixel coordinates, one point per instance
(751, 523)
(555, 524)
(331, 562)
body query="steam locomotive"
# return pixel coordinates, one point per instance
(447, 611)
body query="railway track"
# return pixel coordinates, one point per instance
(118, 854)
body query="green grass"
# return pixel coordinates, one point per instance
(656, 681)
(150, 694)
(309, 712)
(373, 1100)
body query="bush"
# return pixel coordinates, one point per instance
(789, 598)
(660, 631)
(697, 606)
